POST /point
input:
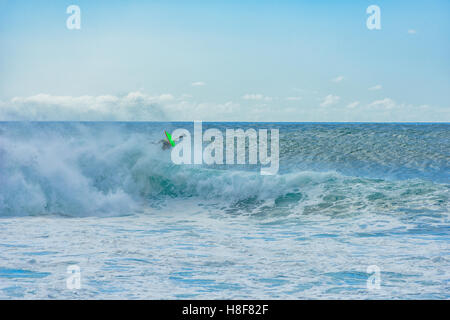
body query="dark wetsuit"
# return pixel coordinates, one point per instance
(165, 144)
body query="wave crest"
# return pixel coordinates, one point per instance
(79, 170)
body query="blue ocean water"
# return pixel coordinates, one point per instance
(107, 198)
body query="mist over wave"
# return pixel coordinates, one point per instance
(83, 169)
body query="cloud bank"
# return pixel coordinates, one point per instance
(134, 106)
(44, 107)
(139, 106)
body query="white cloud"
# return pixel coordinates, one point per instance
(353, 105)
(166, 97)
(386, 103)
(376, 87)
(256, 96)
(185, 96)
(253, 96)
(330, 100)
(198, 84)
(338, 79)
(412, 31)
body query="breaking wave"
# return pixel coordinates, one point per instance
(81, 169)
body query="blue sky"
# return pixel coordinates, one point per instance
(225, 60)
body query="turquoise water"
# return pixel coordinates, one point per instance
(105, 197)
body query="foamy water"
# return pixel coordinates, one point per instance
(105, 197)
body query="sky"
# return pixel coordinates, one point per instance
(225, 61)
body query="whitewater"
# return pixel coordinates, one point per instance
(106, 197)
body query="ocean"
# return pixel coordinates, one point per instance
(103, 196)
